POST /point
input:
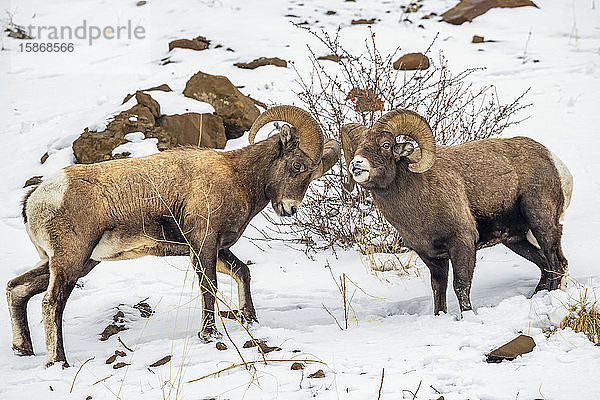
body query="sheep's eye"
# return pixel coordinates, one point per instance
(298, 166)
(385, 145)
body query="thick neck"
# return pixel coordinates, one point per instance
(406, 189)
(252, 166)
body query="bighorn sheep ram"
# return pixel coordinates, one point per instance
(185, 201)
(454, 200)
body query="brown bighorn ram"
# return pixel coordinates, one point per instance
(454, 200)
(185, 201)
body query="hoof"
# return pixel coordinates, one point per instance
(64, 364)
(210, 334)
(23, 350)
(243, 316)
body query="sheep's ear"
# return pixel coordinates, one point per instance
(289, 137)
(403, 149)
(331, 154)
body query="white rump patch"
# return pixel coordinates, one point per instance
(42, 206)
(566, 182)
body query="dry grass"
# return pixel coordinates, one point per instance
(584, 313)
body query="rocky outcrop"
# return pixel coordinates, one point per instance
(238, 111)
(412, 61)
(198, 43)
(196, 129)
(164, 87)
(261, 62)
(467, 10)
(204, 130)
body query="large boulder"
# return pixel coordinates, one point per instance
(411, 61)
(204, 130)
(238, 111)
(467, 10)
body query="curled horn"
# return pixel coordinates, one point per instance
(350, 132)
(409, 123)
(309, 132)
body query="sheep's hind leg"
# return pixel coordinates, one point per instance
(438, 267)
(549, 242)
(531, 253)
(18, 292)
(65, 269)
(229, 264)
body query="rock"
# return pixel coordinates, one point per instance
(467, 10)
(221, 346)
(522, 344)
(250, 343)
(144, 309)
(17, 32)
(363, 21)
(331, 12)
(331, 57)
(145, 99)
(91, 147)
(34, 180)
(262, 61)
(164, 87)
(118, 317)
(318, 374)
(365, 100)
(44, 157)
(204, 130)
(263, 347)
(477, 39)
(162, 361)
(120, 365)
(297, 366)
(110, 330)
(238, 111)
(412, 61)
(198, 43)
(118, 353)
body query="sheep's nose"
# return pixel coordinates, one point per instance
(289, 207)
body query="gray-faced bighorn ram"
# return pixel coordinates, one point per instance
(185, 201)
(454, 200)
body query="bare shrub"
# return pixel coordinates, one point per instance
(361, 88)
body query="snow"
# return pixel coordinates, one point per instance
(48, 99)
(138, 145)
(174, 103)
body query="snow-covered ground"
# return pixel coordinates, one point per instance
(47, 100)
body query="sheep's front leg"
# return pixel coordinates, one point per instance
(438, 268)
(462, 256)
(229, 264)
(204, 261)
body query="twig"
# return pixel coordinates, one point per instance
(381, 384)
(77, 373)
(102, 380)
(416, 391)
(124, 345)
(332, 316)
(252, 363)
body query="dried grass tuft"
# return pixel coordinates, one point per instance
(584, 314)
